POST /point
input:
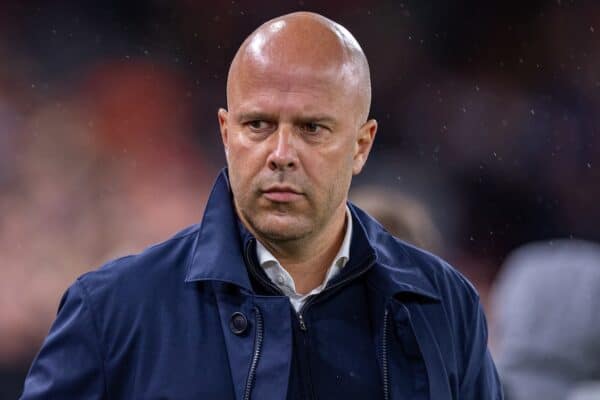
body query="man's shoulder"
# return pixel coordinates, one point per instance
(405, 263)
(146, 271)
(130, 299)
(440, 274)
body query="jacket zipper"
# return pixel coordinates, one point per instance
(258, 339)
(314, 299)
(384, 356)
(309, 302)
(301, 322)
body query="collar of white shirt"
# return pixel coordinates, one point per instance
(284, 281)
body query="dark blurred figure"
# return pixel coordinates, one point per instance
(547, 321)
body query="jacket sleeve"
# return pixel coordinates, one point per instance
(480, 379)
(69, 364)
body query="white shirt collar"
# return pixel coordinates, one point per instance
(284, 281)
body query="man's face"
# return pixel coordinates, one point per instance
(293, 140)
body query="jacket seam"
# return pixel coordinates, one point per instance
(88, 302)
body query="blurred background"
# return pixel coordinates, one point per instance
(488, 113)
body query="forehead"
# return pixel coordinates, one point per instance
(282, 83)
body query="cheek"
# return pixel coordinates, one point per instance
(243, 154)
(245, 162)
(335, 160)
(330, 171)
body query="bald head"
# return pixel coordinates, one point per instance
(306, 43)
(296, 131)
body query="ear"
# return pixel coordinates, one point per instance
(222, 116)
(364, 142)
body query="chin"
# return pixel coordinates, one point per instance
(281, 237)
(282, 232)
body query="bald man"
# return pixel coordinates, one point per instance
(285, 290)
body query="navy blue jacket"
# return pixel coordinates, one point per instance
(194, 318)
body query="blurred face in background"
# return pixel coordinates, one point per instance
(294, 133)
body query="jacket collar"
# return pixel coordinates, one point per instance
(218, 253)
(396, 272)
(221, 240)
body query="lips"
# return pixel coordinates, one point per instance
(282, 194)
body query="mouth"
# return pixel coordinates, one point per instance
(281, 194)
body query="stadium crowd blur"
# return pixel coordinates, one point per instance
(488, 111)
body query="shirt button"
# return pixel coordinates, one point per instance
(280, 279)
(238, 323)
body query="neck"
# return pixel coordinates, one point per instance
(308, 259)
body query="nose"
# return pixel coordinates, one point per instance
(284, 155)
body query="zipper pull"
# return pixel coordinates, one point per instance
(301, 321)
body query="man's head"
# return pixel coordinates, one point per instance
(296, 128)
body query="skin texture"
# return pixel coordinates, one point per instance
(295, 132)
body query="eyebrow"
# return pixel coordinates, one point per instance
(321, 119)
(258, 115)
(254, 115)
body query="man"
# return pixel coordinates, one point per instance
(285, 290)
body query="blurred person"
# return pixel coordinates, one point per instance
(546, 329)
(285, 289)
(402, 215)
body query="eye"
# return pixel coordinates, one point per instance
(311, 127)
(258, 125)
